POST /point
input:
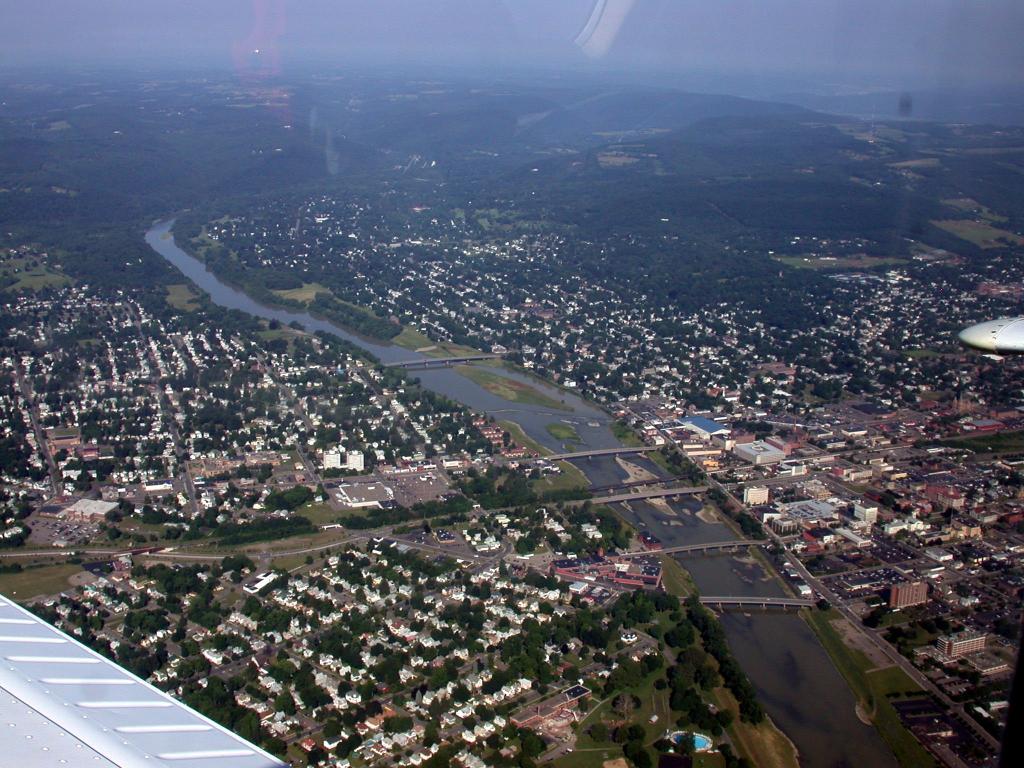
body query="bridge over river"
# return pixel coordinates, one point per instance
(689, 549)
(598, 452)
(440, 362)
(752, 601)
(658, 493)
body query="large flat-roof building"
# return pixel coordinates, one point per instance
(759, 453)
(704, 428)
(755, 494)
(961, 643)
(88, 510)
(907, 594)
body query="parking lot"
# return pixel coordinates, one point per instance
(52, 531)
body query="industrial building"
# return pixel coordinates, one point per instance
(759, 453)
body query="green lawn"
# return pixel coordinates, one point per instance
(998, 442)
(563, 432)
(305, 294)
(764, 745)
(980, 233)
(509, 389)
(410, 338)
(625, 435)
(37, 582)
(969, 205)
(676, 579)
(182, 297)
(570, 479)
(872, 689)
(521, 438)
(31, 275)
(652, 701)
(592, 758)
(319, 514)
(861, 261)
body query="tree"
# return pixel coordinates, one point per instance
(531, 744)
(624, 705)
(285, 703)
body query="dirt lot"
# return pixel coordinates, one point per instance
(855, 639)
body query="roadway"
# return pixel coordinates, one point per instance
(37, 429)
(431, 362)
(167, 408)
(661, 493)
(598, 452)
(716, 546)
(752, 601)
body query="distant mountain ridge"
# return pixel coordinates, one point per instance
(643, 111)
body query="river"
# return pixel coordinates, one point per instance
(800, 688)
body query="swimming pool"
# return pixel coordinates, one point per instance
(701, 743)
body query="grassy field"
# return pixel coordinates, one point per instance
(570, 479)
(999, 442)
(625, 435)
(676, 579)
(659, 458)
(182, 297)
(521, 438)
(872, 687)
(921, 162)
(862, 261)
(969, 205)
(319, 514)
(30, 275)
(764, 745)
(563, 432)
(979, 233)
(305, 294)
(652, 702)
(410, 338)
(37, 582)
(509, 389)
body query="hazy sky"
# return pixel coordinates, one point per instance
(925, 42)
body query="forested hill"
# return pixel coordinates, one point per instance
(670, 183)
(625, 113)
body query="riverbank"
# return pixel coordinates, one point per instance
(510, 390)
(764, 744)
(874, 686)
(323, 305)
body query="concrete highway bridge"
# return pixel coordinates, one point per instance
(441, 362)
(755, 602)
(598, 452)
(658, 493)
(686, 549)
(633, 484)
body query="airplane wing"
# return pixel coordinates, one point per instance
(62, 703)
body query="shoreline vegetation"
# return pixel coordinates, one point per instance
(509, 389)
(322, 305)
(564, 432)
(874, 687)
